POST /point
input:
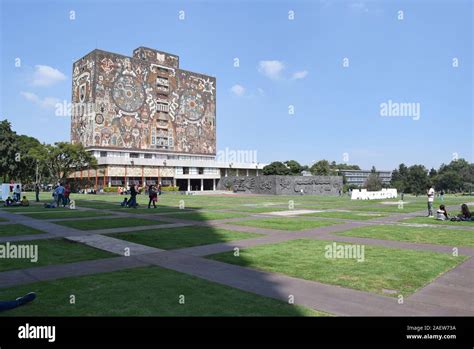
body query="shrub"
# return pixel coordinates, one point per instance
(110, 189)
(170, 188)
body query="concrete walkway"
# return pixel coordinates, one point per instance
(449, 295)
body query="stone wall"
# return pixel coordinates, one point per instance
(283, 185)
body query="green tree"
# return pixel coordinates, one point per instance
(63, 158)
(373, 182)
(9, 151)
(276, 168)
(322, 168)
(294, 166)
(417, 179)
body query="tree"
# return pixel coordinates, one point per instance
(63, 158)
(321, 168)
(373, 182)
(399, 178)
(417, 179)
(8, 151)
(294, 166)
(276, 168)
(27, 163)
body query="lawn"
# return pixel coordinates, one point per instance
(403, 271)
(281, 223)
(428, 220)
(108, 223)
(352, 215)
(172, 238)
(205, 215)
(450, 237)
(150, 291)
(66, 214)
(17, 229)
(54, 251)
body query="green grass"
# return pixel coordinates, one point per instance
(428, 220)
(54, 251)
(146, 210)
(450, 237)
(32, 208)
(67, 214)
(384, 268)
(145, 292)
(281, 223)
(205, 215)
(108, 223)
(3, 219)
(360, 216)
(17, 229)
(172, 238)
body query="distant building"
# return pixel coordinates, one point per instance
(358, 177)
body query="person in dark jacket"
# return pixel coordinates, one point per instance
(133, 197)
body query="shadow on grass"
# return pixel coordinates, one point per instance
(209, 288)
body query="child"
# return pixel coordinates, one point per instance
(124, 203)
(25, 202)
(9, 202)
(442, 213)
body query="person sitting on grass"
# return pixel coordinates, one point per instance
(124, 203)
(8, 202)
(7, 305)
(442, 213)
(465, 213)
(25, 202)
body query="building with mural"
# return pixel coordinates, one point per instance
(147, 121)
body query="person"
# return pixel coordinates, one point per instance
(133, 197)
(124, 203)
(37, 191)
(67, 192)
(402, 195)
(7, 305)
(12, 185)
(431, 194)
(17, 193)
(441, 195)
(442, 213)
(59, 191)
(152, 195)
(159, 188)
(465, 213)
(9, 202)
(25, 202)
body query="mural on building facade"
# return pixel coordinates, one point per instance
(283, 185)
(144, 102)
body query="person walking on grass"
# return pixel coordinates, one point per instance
(152, 195)
(431, 194)
(67, 192)
(133, 197)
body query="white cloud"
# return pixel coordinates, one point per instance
(300, 74)
(359, 6)
(260, 91)
(45, 75)
(238, 90)
(46, 102)
(271, 69)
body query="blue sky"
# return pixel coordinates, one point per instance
(283, 62)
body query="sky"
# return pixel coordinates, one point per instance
(372, 83)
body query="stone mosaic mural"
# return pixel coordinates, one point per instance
(142, 102)
(283, 185)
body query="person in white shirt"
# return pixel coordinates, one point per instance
(431, 195)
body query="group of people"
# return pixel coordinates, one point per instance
(60, 196)
(442, 213)
(152, 191)
(15, 199)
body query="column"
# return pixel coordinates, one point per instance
(125, 183)
(226, 172)
(247, 172)
(257, 171)
(237, 172)
(143, 178)
(202, 184)
(174, 182)
(96, 180)
(214, 184)
(189, 184)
